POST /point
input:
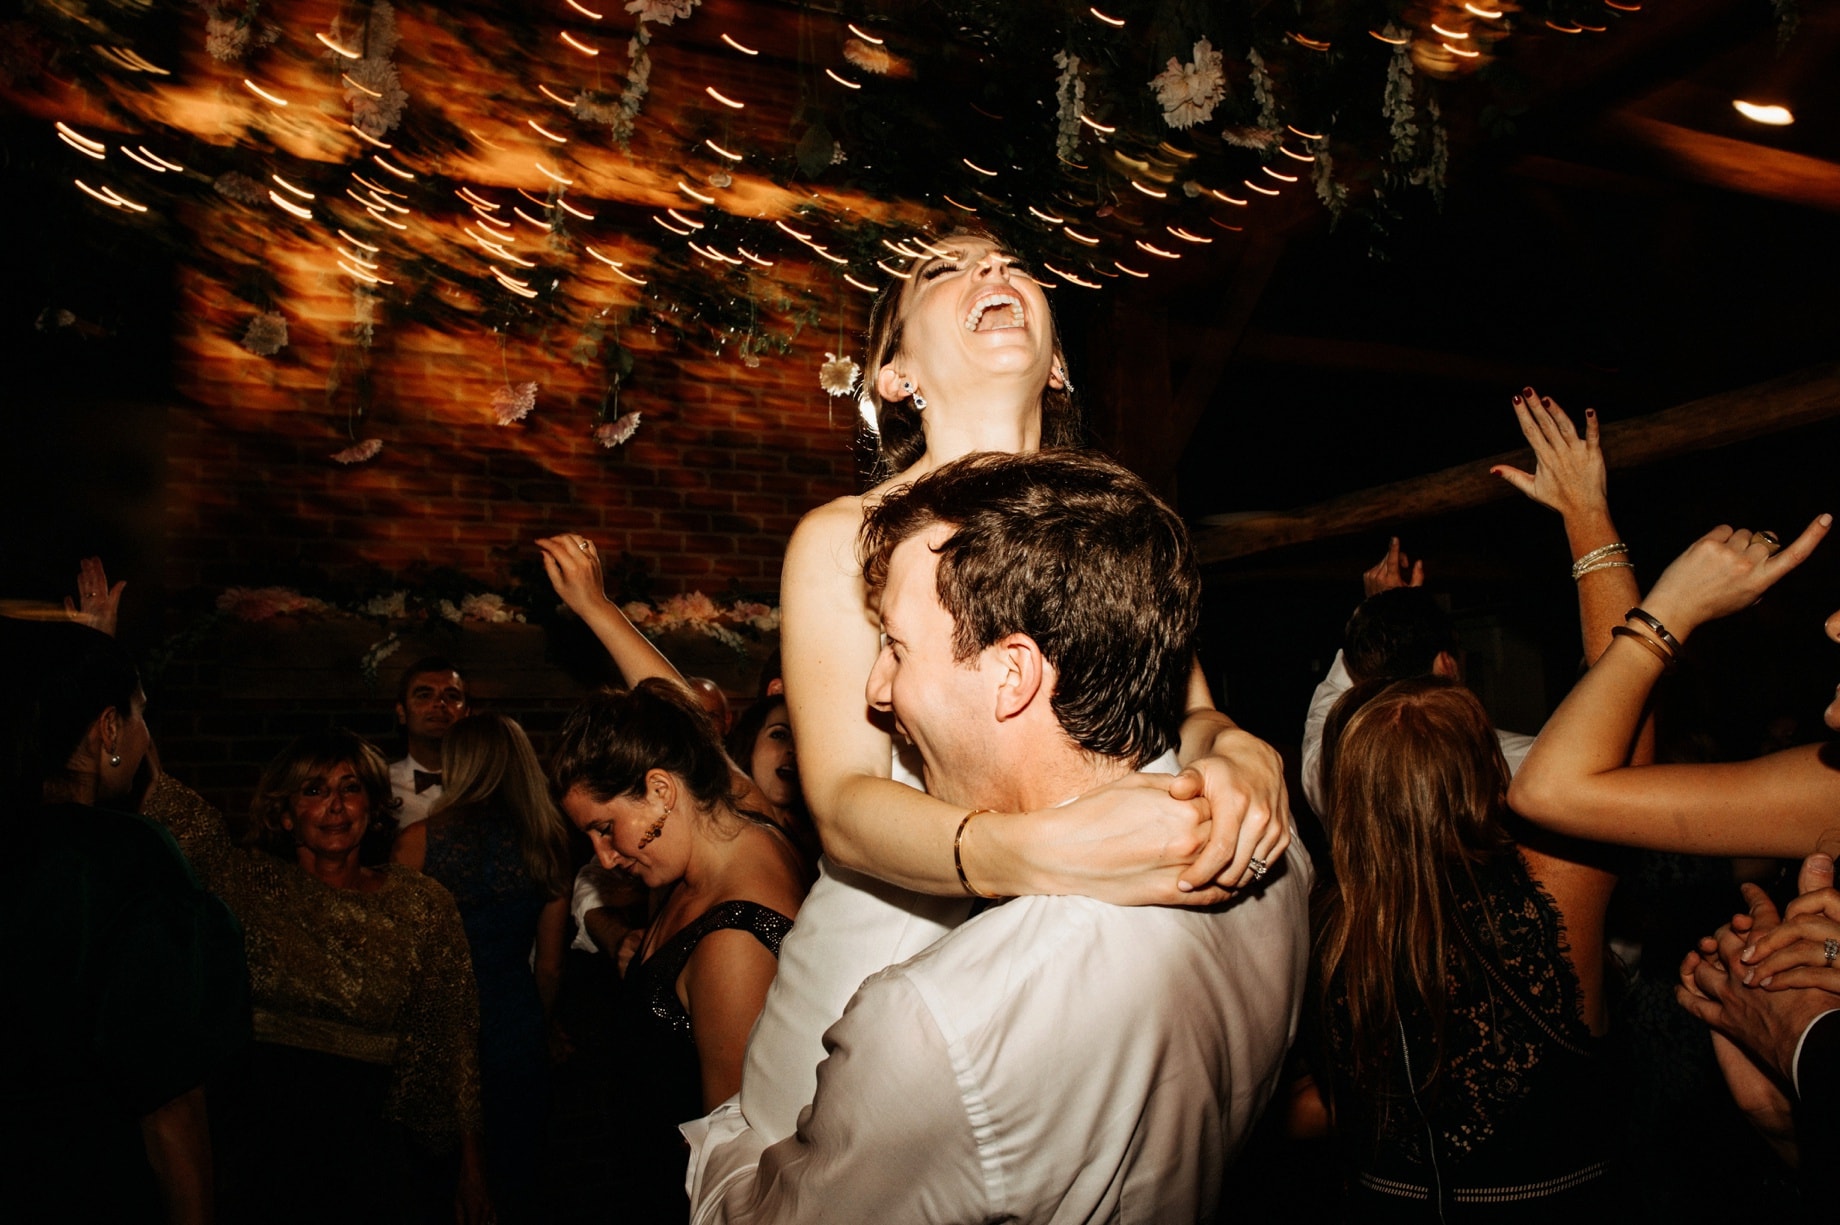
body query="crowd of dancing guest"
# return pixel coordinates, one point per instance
(825, 1006)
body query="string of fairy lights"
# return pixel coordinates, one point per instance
(540, 194)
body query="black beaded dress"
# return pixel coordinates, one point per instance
(658, 1060)
(1518, 1124)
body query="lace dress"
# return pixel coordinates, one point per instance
(660, 1061)
(474, 854)
(1517, 1125)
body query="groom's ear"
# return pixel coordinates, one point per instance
(1023, 674)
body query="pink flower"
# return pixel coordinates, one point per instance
(511, 404)
(611, 434)
(358, 452)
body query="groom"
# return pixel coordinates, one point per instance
(1053, 1058)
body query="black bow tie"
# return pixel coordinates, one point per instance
(425, 779)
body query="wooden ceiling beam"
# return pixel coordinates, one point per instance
(1371, 357)
(1802, 398)
(1732, 165)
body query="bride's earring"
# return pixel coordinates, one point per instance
(913, 393)
(1060, 372)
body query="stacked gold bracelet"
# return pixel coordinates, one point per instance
(1601, 559)
(958, 854)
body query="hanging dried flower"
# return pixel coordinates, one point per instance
(1263, 95)
(1251, 138)
(596, 107)
(612, 433)
(638, 82)
(1334, 195)
(838, 375)
(237, 186)
(359, 452)
(267, 334)
(1069, 95)
(226, 38)
(878, 60)
(380, 36)
(511, 404)
(1188, 93)
(661, 12)
(375, 93)
(1396, 102)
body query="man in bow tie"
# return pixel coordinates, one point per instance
(429, 701)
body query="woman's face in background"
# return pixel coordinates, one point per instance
(330, 812)
(773, 765)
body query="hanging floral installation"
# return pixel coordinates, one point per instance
(1188, 93)
(837, 375)
(478, 165)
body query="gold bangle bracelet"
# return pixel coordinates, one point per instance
(1660, 652)
(958, 853)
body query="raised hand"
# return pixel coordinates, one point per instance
(1726, 570)
(98, 604)
(1568, 472)
(574, 568)
(1393, 570)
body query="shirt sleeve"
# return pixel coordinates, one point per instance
(888, 1137)
(1514, 749)
(1332, 687)
(435, 1089)
(587, 897)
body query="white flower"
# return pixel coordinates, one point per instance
(358, 452)
(395, 604)
(448, 610)
(838, 374)
(611, 434)
(661, 12)
(267, 334)
(488, 606)
(1188, 93)
(376, 653)
(511, 404)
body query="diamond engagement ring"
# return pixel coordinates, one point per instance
(1258, 868)
(1831, 947)
(581, 542)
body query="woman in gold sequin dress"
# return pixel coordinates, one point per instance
(363, 1082)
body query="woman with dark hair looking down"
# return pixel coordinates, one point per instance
(642, 774)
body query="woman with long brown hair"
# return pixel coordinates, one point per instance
(1461, 1031)
(496, 842)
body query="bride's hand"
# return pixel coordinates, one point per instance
(1243, 784)
(1126, 843)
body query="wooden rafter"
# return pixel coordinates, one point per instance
(1802, 398)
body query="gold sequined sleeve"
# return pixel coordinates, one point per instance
(199, 830)
(435, 1090)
